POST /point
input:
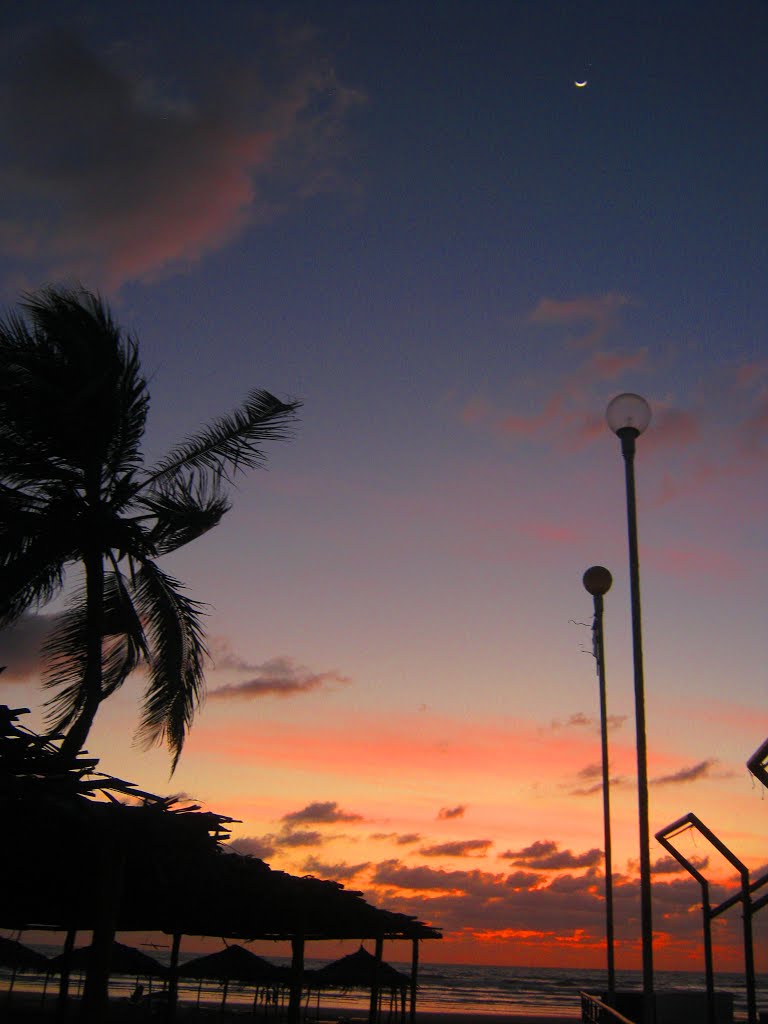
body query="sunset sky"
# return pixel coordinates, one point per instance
(407, 216)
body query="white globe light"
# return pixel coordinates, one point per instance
(628, 410)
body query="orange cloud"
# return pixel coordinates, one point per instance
(448, 813)
(454, 749)
(458, 848)
(702, 770)
(320, 813)
(545, 855)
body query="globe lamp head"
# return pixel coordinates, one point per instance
(597, 580)
(628, 412)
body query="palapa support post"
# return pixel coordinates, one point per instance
(66, 953)
(173, 979)
(373, 1009)
(414, 975)
(297, 979)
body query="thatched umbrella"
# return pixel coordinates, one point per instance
(234, 963)
(123, 960)
(359, 970)
(19, 957)
(362, 970)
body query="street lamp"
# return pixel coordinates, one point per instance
(628, 415)
(597, 581)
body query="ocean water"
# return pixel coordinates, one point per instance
(457, 988)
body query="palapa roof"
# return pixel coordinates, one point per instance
(19, 957)
(359, 970)
(123, 960)
(234, 963)
(162, 858)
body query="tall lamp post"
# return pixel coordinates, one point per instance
(628, 415)
(597, 581)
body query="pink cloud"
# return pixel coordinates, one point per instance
(672, 427)
(749, 374)
(597, 313)
(686, 562)
(610, 365)
(551, 533)
(118, 183)
(475, 411)
(566, 418)
(592, 308)
(528, 426)
(753, 430)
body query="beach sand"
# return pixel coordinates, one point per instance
(24, 1008)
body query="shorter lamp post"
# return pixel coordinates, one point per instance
(597, 581)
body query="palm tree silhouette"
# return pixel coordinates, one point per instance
(74, 491)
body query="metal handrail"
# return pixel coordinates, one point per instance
(595, 1011)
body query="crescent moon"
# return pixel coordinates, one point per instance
(580, 85)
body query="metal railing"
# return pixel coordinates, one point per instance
(595, 1011)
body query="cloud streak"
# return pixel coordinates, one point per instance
(277, 677)
(545, 855)
(450, 813)
(596, 315)
(320, 813)
(458, 848)
(702, 770)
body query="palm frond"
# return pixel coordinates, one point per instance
(64, 663)
(64, 652)
(184, 509)
(74, 388)
(125, 643)
(176, 686)
(231, 443)
(31, 566)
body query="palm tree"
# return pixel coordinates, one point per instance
(74, 492)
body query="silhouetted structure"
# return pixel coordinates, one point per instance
(93, 852)
(363, 970)
(73, 409)
(597, 581)
(665, 836)
(234, 963)
(628, 415)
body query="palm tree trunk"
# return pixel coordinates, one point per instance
(74, 741)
